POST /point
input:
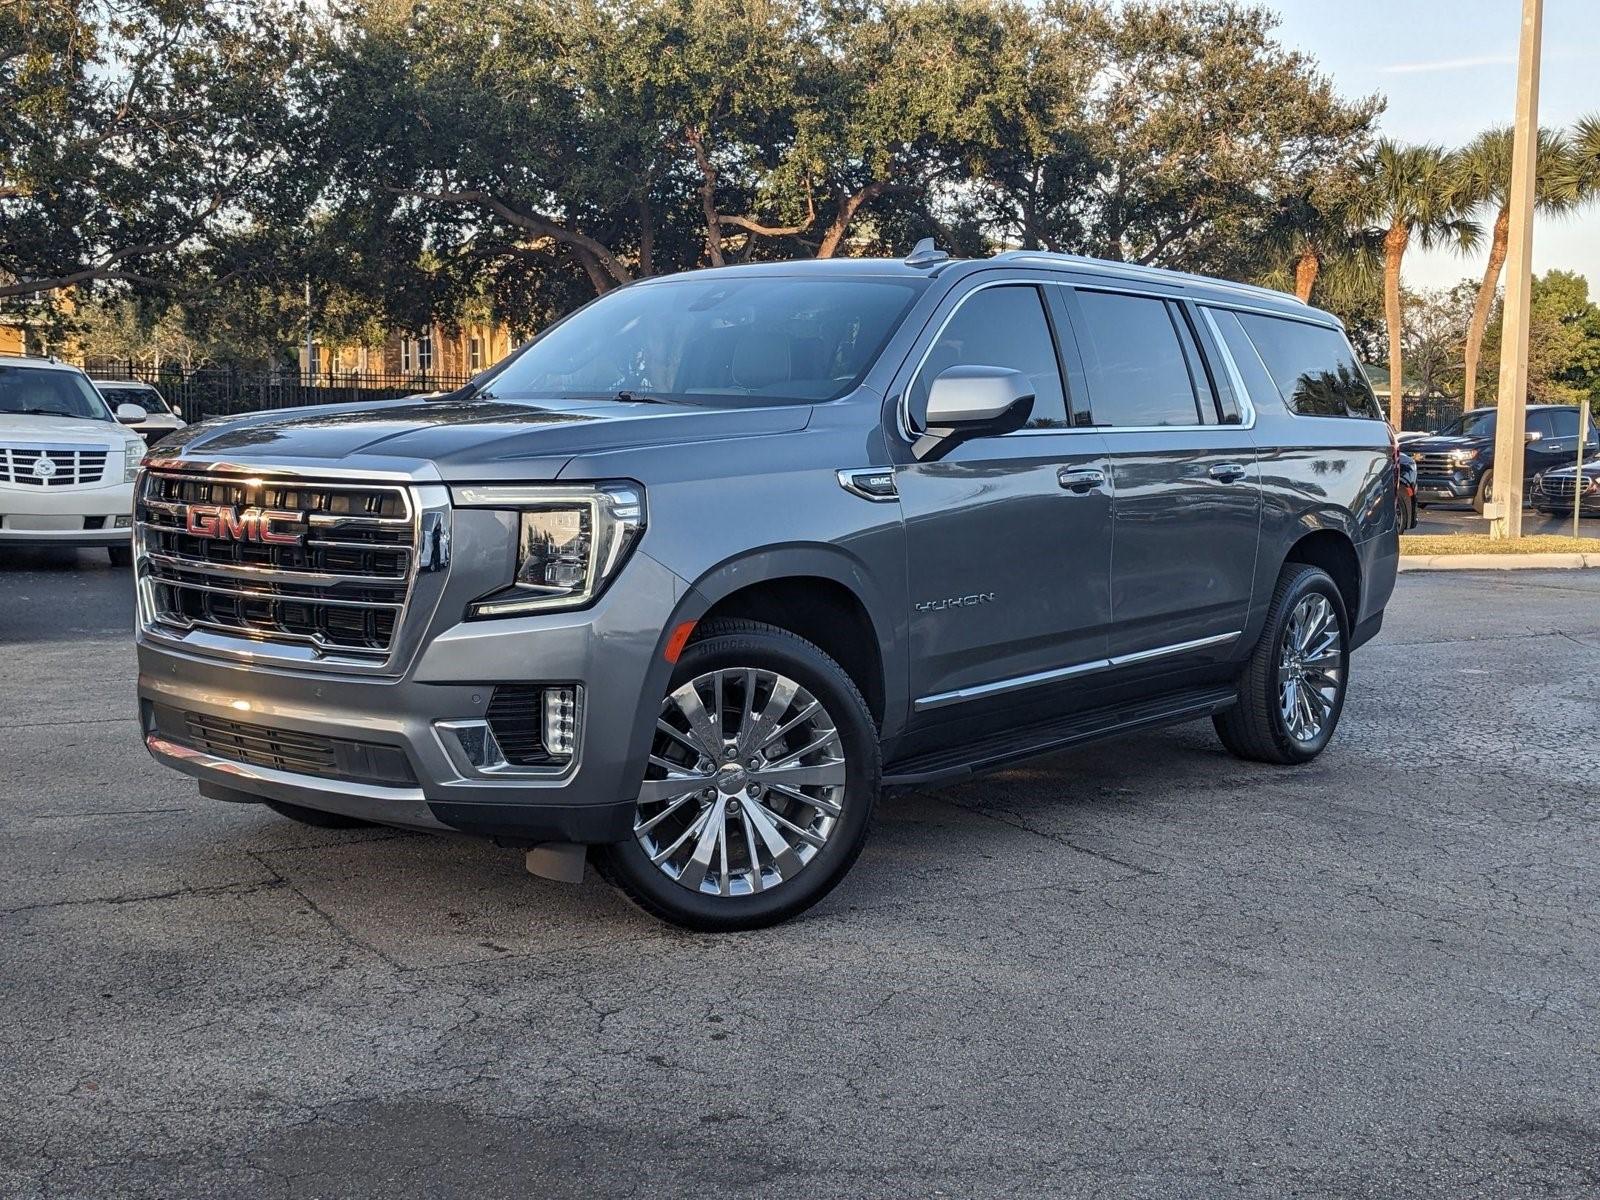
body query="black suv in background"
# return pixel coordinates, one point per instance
(1457, 463)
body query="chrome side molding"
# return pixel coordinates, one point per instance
(1017, 683)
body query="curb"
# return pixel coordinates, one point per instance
(1497, 562)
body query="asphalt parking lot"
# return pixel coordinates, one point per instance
(1459, 518)
(1142, 969)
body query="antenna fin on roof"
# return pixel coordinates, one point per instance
(925, 254)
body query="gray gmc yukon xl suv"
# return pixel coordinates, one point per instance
(688, 579)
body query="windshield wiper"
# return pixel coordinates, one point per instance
(48, 412)
(627, 397)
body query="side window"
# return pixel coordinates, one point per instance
(1133, 354)
(1312, 366)
(999, 327)
(1563, 422)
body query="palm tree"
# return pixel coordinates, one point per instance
(1411, 194)
(1312, 227)
(1583, 158)
(1484, 168)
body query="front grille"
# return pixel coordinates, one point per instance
(53, 466)
(284, 749)
(336, 573)
(1434, 464)
(1565, 487)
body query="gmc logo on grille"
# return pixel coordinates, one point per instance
(224, 523)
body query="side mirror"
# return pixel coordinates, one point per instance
(131, 414)
(1533, 435)
(966, 401)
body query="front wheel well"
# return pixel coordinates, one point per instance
(825, 613)
(1334, 553)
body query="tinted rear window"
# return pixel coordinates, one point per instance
(146, 398)
(1133, 353)
(1312, 366)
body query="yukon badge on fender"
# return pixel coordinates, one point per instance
(615, 602)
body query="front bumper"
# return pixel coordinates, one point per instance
(395, 764)
(1447, 487)
(67, 516)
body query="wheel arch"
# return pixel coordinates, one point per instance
(823, 595)
(1334, 552)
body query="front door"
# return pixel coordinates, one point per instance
(1007, 536)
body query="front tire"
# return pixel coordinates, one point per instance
(1293, 688)
(1485, 493)
(121, 556)
(762, 779)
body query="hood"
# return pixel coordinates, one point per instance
(19, 427)
(1438, 443)
(1591, 469)
(474, 438)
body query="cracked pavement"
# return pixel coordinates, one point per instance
(1139, 969)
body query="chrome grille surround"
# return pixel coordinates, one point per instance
(1559, 486)
(332, 595)
(69, 465)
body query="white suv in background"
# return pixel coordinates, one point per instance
(67, 463)
(163, 415)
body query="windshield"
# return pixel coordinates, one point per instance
(1472, 424)
(42, 392)
(146, 398)
(756, 340)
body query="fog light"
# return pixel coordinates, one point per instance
(123, 522)
(560, 721)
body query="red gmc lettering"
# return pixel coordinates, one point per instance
(224, 523)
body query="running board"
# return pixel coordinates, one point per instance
(1002, 749)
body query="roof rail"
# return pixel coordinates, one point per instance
(1079, 262)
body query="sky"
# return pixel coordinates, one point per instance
(1448, 69)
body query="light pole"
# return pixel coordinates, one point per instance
(1509, 442)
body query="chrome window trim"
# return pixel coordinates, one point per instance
(1247, 408)
(1075, 262)
(1016, 683)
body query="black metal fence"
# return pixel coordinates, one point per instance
(203, 392)
(1424, 414)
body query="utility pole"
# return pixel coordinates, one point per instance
(1510, 443)
(1577, 478)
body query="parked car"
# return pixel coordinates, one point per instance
(66, 463)
(163, 417)
(1406, 490)
(1555, 491)
(694, 574)
(1457, 463)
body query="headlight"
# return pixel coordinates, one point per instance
(132, 458)
(1463, 456)
(571, 542)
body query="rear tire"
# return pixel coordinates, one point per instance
(721, 842)
(1293, 688)
(315, 816)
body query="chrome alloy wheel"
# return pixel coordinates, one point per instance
(745, 784)
(1310, 667)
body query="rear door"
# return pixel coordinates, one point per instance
(1186, 501)
(1007, 536)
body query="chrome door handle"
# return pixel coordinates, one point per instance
(1081, 482)
(1228, 472)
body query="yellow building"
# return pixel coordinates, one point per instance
(431, 353)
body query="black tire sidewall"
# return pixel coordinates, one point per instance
(1318, 581)
(626, 862)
